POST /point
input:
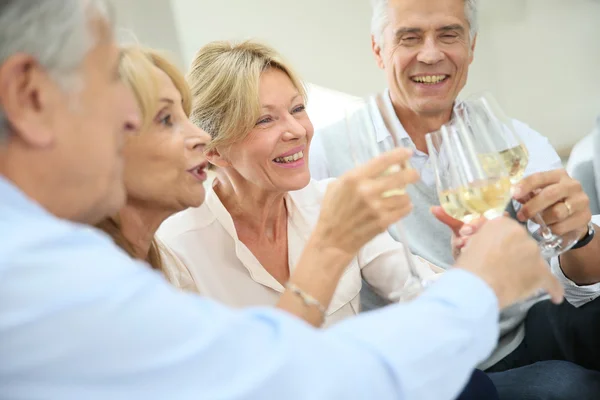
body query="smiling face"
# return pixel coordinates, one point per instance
(426, 53)
(274, 154)
(165, 166)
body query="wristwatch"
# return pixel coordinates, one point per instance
(587, 238)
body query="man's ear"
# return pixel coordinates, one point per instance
(377, 52)
(215, 157)
(26, 98)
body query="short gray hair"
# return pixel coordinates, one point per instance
(380, 18)
(56, 32)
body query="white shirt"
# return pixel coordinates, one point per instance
(174, 270)
(206, 241)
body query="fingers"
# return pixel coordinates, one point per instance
(391, 181)
(472, 227)
(446, 219)
(576, 222)
(553, 287)
(377, 166)
(551, 195)
(537, 181)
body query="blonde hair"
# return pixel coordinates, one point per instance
(224, 81)
(138, 69)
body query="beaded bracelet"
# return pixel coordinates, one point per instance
(307, 299)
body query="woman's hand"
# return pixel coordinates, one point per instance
(358, 206)
(461, 232)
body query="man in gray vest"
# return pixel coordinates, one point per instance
(425, 48)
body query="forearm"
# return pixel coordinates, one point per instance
(167, 344)
(582, 266)
(432, 344)
(317, 274)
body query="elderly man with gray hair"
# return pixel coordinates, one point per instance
(425, 48)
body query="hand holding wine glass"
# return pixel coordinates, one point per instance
(546, 196)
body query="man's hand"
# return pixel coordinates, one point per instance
(504, 255)
(559, 199)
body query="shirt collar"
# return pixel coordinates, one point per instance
(12, 196)
(386, 119)
(220, 212)
(253, 266)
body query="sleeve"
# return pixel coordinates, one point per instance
(111, 328)
(542, 155)
(575, 294)
(384, 265)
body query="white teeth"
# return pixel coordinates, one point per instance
(289, 159)
(431, 79)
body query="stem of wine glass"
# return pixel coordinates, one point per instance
(546, 233)
(412, 268)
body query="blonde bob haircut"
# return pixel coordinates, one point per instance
(138, 69)
(224, 80)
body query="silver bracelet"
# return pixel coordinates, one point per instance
(307, 299)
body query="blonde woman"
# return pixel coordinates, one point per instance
(165, 167)
(165, 164)
(262, 206)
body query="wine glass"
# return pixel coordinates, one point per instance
(480, 181)
(363, 146)
(485, 115)
(447, 179)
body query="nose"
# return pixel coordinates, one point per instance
(430, 53)
(197, 138)
(295, 130)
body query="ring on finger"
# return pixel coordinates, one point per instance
(569, 208)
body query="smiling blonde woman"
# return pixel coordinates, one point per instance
(263, 205)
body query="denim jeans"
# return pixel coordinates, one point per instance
(547, 380)
(559, 357)
(480, 387)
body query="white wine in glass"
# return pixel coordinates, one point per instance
(515, 161)
(484, 180)
(448, 183)
(487, 197)
(453, 205)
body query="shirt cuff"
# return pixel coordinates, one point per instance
(575, 294)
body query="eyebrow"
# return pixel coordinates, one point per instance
(270, 107)
(165, 100)
(454, 27)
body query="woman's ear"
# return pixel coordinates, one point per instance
(215, 157)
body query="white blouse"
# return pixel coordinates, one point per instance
(204, 239)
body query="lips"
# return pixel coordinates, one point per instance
(199, 171)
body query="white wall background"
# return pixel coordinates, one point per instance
(150, 22)
(541, 58)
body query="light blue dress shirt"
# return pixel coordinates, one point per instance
(80, 320)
